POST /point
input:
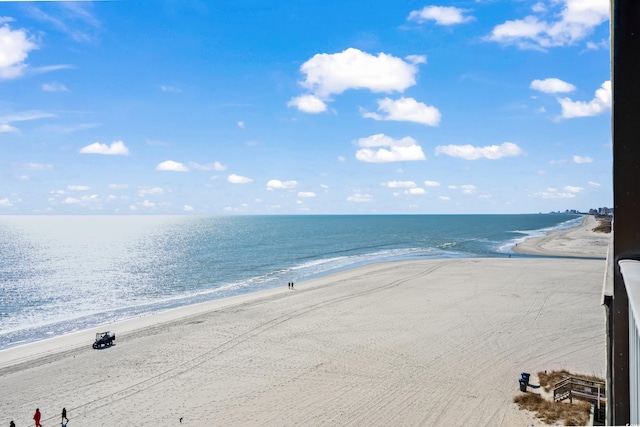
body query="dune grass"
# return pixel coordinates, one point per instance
(550, 412)
(604, 224)
(549, 379)
(572, 414)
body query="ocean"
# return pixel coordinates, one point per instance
(60, 274)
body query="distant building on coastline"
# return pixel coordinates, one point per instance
(597, 211)
(601, 211)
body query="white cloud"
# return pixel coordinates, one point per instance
(173, 89)
(308, 104)
(445, 198)
(306, 194)
(577, 20)
(327, 74)
(5, 121)
(415, 191)
(38, 166)
(147, 204)
(469, 152)
(15, 46)
(553, 193)
(71, 201)
(359, 198)
(118, 186)
(399, 184)
(442, 15)
(54, 87)
(187, 208)
(406, 110)
(117, 148)
(78, 187)
(598, 105)
(144, 191)
(581, 159)
(237, 179)
(209, 166)
(241, 125)
(49, 68)
(539, 7)
(171, 166)
(73, 18)
(84, 200)
(602, 44)
(468, 189)
(7, 128)
(416, 59)
(593, 184)
(552, 85)
(277, 184)
(572, 189)
(6, 203)
(432, 183)
(405, 149)
(557, 162)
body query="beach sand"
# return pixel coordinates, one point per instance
(432, 343)
(579, 241)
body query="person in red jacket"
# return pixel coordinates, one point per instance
(36, 417)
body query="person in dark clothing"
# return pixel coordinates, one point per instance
(64, 416)
(12, 424)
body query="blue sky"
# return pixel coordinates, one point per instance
(304, 107)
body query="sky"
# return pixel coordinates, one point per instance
(252, 107)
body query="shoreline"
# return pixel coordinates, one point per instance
(399, 343)
(413, 342)
(575, 242)
(63, 327)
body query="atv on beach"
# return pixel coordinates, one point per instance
(104, 339)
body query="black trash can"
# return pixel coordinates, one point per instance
(523, 385)
(525, 377)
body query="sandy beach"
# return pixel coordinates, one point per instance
(432, 343)
(580, 242)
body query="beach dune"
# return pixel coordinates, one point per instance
(436, 342)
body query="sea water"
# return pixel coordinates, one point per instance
(60, 274)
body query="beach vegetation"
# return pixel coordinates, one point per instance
(548, 380)
(551, 412)
(604, 224)
(571, 414)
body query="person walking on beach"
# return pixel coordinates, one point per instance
(64, 416)
(36, 417)
(12, 424)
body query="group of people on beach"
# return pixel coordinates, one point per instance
(38, 415)
(290, 285)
